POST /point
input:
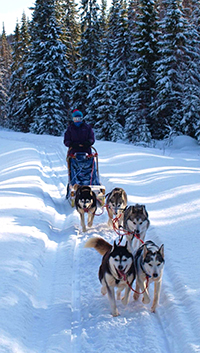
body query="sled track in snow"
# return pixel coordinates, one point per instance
(92, 326)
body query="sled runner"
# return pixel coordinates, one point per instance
(83, 169)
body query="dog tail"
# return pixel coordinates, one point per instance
(98, 244)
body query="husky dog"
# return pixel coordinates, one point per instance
(136, 222)
(116, 202)
(85, 202)
(149, 261)
(117, 270)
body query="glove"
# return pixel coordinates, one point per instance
(74, 145)
(87, 143)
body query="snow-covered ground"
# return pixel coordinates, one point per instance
(50, 300)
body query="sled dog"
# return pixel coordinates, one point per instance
(149, 262)
(116, 270)
(116, 202)
(136, 222)
(85, 202)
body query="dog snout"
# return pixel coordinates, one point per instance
(155, 275)
(115, 210)
(120, 267)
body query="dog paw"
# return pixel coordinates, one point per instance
(84, 229)
(115, 313)
(103, 290)
(146, 300)
(153, 308)
(89, 224)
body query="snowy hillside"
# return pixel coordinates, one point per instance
(50, 300)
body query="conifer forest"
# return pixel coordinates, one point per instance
(132, 68)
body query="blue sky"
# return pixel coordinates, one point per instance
(11, 11)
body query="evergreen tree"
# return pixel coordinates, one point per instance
(88, 65)
(120, 55)
(142, 76)
(5, 73)
(46, 105)
(17, 92)
(102, 97)
(67, 18)
(191, 87)
(170, 72)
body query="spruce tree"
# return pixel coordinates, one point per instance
(170, 72)
(17, 91)
(88, 67)
(67, 18)
(191, 87)
(47, 101)
(5, 73)
(142, 76)
(120, 56)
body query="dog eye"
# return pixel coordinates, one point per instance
(140, 223)
(159, 264)
(150, 265)
(134, 222)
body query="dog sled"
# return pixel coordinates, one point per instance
(83, 169)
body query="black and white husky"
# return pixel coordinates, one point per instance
(85, 202)
(149, 262)
(136, 222)
(116, 202)
(117, 270)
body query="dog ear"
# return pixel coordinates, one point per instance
(145, 251)
(114, 246)
(161, 250)
(144, 211)
(132, 208)
(76, 186)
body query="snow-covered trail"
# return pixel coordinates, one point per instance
(50, 300)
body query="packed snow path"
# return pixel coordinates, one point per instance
(50, 300)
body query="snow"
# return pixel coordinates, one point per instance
(50, 299)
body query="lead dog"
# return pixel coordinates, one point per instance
(116, 202)
(136, 222)
(117, 268)
(85, 202)
(149, 261)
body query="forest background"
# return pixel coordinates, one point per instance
(133, 69)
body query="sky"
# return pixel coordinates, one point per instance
(50, 295)
(11, 12)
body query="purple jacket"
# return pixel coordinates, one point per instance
(79, 138)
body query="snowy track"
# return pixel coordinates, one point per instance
(50, 300)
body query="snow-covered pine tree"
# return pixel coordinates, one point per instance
(5, 73)
(17, 92)
(67, 18)
(142, 76)
(120, 56)
(102, 97)
(167, 110)
(87, 71)
(47, 80)
(191, 101)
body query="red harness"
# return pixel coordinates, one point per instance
(125, 232)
